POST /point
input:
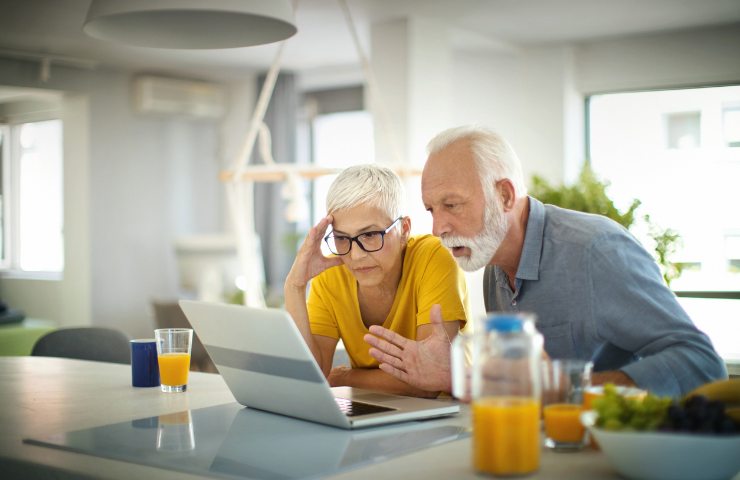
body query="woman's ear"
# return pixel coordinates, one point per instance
(405, 229)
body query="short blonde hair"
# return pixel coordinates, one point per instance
(368, 184)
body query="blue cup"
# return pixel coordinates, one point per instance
(144, 365)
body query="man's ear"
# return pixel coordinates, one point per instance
(506, 189)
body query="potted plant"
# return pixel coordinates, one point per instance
(588, 194)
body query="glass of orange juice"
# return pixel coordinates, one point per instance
(563, 384)
(173, 356)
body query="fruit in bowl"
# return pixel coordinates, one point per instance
(656, 438)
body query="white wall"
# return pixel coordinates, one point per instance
(412, 63)
(535, 96)
(153, 179)
(520, 95)
(145, 181)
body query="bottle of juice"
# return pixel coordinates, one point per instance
(506, 397)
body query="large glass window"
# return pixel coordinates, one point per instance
(4, 190)
(678, 152)
(32, 197)
(340, 140)
(339, 135)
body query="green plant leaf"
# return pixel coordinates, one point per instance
(589, 195)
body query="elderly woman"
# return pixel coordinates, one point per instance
(378, 275)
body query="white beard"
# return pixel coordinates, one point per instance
(484, 245)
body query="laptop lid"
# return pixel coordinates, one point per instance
(266, 364)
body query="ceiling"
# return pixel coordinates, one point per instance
(53, 28)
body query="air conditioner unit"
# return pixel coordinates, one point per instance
(171, 96)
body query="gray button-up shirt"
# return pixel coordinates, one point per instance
(599, 295)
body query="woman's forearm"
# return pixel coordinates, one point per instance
(295, 305)
(374, 379)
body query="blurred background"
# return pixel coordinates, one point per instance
(112, 200)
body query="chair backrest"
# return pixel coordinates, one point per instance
(85, 343)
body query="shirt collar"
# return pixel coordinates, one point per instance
(529, 263)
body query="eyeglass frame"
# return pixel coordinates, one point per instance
(356, 239)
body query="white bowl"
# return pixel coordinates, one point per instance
(667, 456)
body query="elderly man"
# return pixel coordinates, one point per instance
(596, 291)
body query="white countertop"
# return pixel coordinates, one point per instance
(47, 396)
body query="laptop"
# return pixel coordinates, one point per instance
(264, 361)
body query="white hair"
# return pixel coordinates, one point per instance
(494, 157)
(368, 184)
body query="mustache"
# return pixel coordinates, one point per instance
(451, 241)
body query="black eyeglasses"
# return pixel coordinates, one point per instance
(368, 241)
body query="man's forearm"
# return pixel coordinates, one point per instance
(616, 377)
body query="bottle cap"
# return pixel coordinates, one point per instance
(504, 323)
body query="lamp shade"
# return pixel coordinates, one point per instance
(190, 24)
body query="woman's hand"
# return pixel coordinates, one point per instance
(309, 260)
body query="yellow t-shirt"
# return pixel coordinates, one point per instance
(430, 275)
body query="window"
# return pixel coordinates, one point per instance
(340, 134)
(339, 140)
(731, 125)
(673, 150)
(32, 196)
(683, 130)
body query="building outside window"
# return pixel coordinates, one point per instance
(678, 152)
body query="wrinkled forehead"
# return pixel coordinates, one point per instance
(362, 217)
(451, 170)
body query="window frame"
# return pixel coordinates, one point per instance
(5, 191)
(588, 148)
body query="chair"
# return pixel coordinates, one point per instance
(170, 315)
(101, 344)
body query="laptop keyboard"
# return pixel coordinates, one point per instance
(352, 408)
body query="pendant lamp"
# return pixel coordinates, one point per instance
(190, 24)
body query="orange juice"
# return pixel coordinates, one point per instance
(506, 435)
(173, 368)
(563, 422)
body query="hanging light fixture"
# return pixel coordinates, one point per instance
(190, 24)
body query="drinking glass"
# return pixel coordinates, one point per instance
(563, 384)
(173, 356)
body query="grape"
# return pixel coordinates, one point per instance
(616, 412)
(696, 414)
(699, 415)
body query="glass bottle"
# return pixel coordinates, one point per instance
(505, 391)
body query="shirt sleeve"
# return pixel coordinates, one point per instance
(320, 317)
(443, 283)
(634, 310)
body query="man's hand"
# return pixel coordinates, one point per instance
(424, 364)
